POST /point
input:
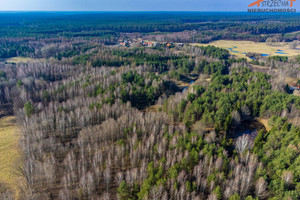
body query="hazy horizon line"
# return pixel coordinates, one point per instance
(116, 11)
(139, 11)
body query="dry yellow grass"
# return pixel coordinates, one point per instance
(19, 60)
(291, 81)
(265, 122)
(24, 60)
(203, 80)
(253, 47)
(182, 84)
(9, 153)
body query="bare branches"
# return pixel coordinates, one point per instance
(243, 143)
(261, 188)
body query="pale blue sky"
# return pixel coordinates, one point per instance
(127, 5)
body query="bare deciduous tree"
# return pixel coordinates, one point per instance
(261, 188)
(107, 177)
(243, 143)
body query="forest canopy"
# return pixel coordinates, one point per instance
(165, 119)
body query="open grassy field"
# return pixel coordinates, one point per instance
(9, 154)
(241, 47)
(20, 60)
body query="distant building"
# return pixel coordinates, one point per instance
(125, 43)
